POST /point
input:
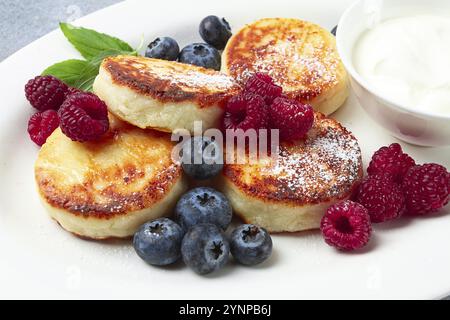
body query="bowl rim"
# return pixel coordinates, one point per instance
(366, 84)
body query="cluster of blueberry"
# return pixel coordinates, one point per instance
(202, 216)
(214, 31)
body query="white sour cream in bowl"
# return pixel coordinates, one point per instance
(397, 53)
(407, 59)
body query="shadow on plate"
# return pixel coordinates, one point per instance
(394, 224)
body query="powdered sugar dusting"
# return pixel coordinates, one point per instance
(325, 166)
(187, 76)
(298, 55)
(287, 62)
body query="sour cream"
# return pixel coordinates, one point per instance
(408, 61)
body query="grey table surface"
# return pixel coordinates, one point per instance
(23, 21)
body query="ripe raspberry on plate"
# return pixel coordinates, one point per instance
(346, 226)
(46, 92)
(382, 198)
(391, 160)
(292, 118)
(263, 85)
(41, 125)
(246, 111)
(426, 189)
(84, 117)
(72, 90)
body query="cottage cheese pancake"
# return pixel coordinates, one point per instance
(292, 193)
(163, 95)
(110, 187)
(300, 56)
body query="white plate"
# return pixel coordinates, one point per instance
(406, 259)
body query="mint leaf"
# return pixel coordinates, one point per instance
(91, 43)
(87, 77)
(94, 47)
(75, 73)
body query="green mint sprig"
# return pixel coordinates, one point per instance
(91, 43)
(94, 47)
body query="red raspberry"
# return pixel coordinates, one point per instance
(45, 92)
(391, 160)
(346, 226)
(262, 84)
(72, 91)
(84, 117)
(245, 111)
(292, 118)
(382, 198)
(41, 125)
(426, 188)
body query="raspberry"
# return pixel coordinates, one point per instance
(83, 117)
(245, 111)
(72, 90)
(346, 226)
(426, 188)
(41, 125)
(292, 118)
(382, 198)
(263, 85)
(45, 92)
(391, 160)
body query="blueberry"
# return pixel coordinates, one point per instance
(334, 30)
(250, 244)
(163, 48)
(205, 248)
(202, 158)
(203, 205)
(159, 242)
(215, 31)
(202, 55)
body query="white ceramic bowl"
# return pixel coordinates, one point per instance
(416, 127)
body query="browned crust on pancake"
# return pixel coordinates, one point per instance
(80, 200)
(302, 182)
(249, 51)
(132, 72)
(119, 204)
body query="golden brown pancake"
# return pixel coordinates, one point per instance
(163, 95)
(108, 188)
(292, 193)
(300, 56)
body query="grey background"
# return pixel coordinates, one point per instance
(23, 21)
